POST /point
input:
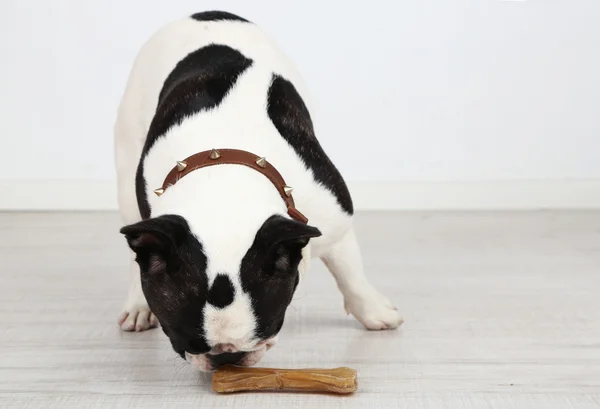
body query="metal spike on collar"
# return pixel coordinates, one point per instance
(181, 165)
(214, 154)
(262, 162)
(159, 191)
(288, 190)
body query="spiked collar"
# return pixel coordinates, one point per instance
(237, 157)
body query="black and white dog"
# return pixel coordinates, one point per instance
(216, 258)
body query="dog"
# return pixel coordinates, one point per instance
(217, 254)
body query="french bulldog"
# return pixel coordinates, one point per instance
(216, 258)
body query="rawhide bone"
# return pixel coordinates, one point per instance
(229, 378)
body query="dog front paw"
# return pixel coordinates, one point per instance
(137, 318)
(373, 309)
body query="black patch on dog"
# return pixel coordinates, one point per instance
(292, 119)
(268, 280)
(173, 273)
(199, 82)
(221, 292)
(216, 15)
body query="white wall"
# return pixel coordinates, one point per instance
(448, 91)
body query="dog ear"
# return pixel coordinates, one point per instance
(281, 241)
(154, 241)
(280, 230)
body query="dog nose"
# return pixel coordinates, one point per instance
(222, 348)
(226, 358)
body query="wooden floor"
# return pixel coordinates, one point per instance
(502, 310)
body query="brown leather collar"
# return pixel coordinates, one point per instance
(238, 157)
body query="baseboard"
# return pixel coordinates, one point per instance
(494, 195)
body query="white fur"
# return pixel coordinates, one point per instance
(225, 205)
(233, 324)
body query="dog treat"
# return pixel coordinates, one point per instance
(229, 378)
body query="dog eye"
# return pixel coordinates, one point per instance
(156, 265)
(282, 262)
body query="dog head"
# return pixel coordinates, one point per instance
(214, 316)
